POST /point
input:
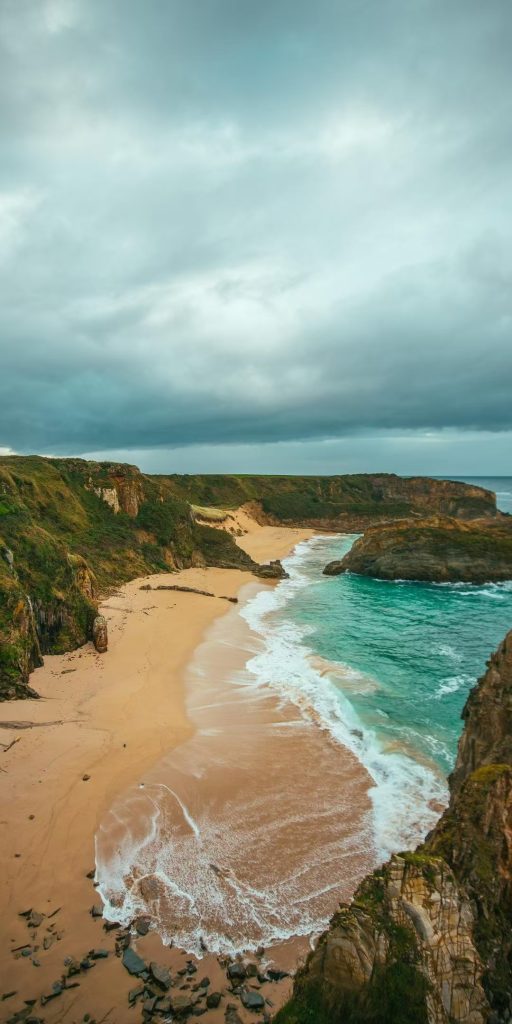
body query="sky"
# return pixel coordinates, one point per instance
(266, 236)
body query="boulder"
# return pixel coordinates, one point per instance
(213, 1000)
(161, 975)
(271, 571)
(133, 962)
(100, 634)
(252, 1000)
(236, 971)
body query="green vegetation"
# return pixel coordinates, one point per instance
(62, 546)
(76, 529)
(329, 500)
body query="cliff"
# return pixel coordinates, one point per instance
(70, 530)
(345, 503)
(428, 937)
(436, 549)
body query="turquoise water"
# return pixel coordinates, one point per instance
(385, 668)
(424, 646)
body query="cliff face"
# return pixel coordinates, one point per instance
(74, 529)
(69, 531)
(428, 937)
(351, 502)
(487, 735)
(438, 549)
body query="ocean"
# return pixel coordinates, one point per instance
(327, 713)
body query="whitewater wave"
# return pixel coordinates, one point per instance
(403, 787)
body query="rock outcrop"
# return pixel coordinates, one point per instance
(74, 529)
(437, 549)
(428, 937)
(345, 503)
(100, 634)
(487, 735)
(70, 531)
(274, 570)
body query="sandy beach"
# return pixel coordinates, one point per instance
(102, 723)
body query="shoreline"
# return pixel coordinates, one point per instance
(109, 717)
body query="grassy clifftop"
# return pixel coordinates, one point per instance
(337, 502)
(436, 549)
(69, 531)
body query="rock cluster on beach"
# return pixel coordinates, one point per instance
(428, 937)
(159, 991)
(273, 571)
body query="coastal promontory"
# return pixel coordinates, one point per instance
(434, 549)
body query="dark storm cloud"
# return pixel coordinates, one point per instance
(225, 221)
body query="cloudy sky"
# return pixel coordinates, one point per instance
(258, 234)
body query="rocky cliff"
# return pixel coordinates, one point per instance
(345, 503)
(436, 549)
(428, 937)
(70, 530)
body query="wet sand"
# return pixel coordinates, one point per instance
(113, 718)
(251, 831)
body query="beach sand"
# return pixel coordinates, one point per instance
(103, 723)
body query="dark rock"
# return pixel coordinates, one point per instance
(142, 925)
(182, 1004)
(72, 965)
(164, 1005)
(204, 983)
(251, 970)
(35, 919)
(236, 971)
(135, 994)
(160, 975)
(273, 571)
(133, 962)
(100, 634)
(276, 975)
(98, 954)
(252, 1000)
(231, 1015)
(149, 1004)
(97, 910)
(213, 999)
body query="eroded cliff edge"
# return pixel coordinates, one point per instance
(71, 530)
(438, 549)
(428, 937)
